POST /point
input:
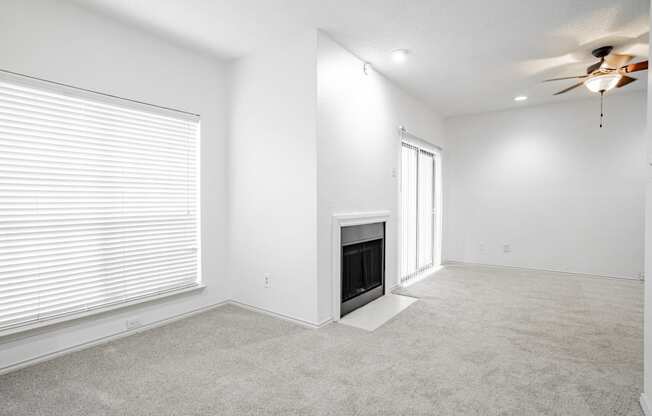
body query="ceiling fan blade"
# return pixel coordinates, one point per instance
(624, 81)
(569, 88)
(593, 67)
(639, 66)
(562, 78)
(616, 60)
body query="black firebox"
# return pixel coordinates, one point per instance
(363, 265)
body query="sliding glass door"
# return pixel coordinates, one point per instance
(426, 210)
(418, 210)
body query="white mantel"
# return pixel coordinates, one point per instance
(345, 220)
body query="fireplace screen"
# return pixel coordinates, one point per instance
(362, 268)
(363, 265)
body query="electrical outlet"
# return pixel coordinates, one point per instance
(507, 248)
(483, 248)
(268, 281)
(641, 276)
(133, 323)
(393, 172)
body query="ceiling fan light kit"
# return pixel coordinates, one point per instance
(602, 83)
(608, 73)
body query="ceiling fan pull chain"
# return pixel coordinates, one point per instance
(601, 107)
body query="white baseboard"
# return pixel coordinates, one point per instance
(106, 339)
(644, 405)
(420, 276)
(289, 318)
(393, 288)
(463, 263)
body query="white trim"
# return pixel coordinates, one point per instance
(200, 206)
(143, 300)
(647, 411)
(106, 339)
(289, 318)
(503, 266)
(391, 289)
(345, 220)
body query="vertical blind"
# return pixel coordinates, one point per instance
(417, 210)
(98, 204)
(426, 209)
(409, 224)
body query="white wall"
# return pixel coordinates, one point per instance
(647, 316)
(310, 135)
(358, 147)
(273, 178)
(60, 42)
(565, 194)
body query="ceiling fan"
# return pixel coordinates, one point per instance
(608, 73)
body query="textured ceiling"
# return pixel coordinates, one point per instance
(466, 56)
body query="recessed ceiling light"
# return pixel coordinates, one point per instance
(520, 98)
(400, 55)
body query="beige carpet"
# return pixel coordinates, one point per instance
(481, 341)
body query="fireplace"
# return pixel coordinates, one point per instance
(362, 265)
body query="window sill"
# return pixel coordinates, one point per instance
(143, 300)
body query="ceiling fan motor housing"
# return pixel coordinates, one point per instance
(602, 51)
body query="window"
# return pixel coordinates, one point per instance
(98, 203)
(418, 210)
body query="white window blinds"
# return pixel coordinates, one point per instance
(98, 204)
